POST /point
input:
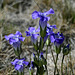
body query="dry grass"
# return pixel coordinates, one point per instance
(9, 28)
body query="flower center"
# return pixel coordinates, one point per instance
(33, 32)
(20, 62)
(14, 37)
(42, 14)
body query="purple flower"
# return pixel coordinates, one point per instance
(31, 65)
(50, 29)
(42, 16)
(19, 64)
(68, 46)
(33, 33)
(45, 38)
(41, 55)
(66, 49)
(34, 38)
(57, 38)
(42, 24)
(14, 39)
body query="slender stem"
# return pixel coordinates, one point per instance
(46, 59)
(56, 64)
(22, 73)
(62, 65)
(53, 56)
(71, 65)
(29, 72)
(66, 71)
(42, 42)
(17, 73)
(19, 57)
(18, 51)
(54, 61)
(46, 52)
(38, 53)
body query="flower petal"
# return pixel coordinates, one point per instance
(25, 62)
(43, 24)
(9, 36)
(18, 67)
(21, 38)
(18, 33)
(34, 38)
(51, 11)
(31, 28)
(54, 26)
(27, 33)
(35, 15)
(15, 61)
(52, 38)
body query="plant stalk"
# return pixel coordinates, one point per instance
(62, 65)
(56, 64)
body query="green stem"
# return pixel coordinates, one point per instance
(19, 73)
(53, 56)
(62, 65)
(56, 64)
(30, 72)
(22, 73)
(46, 52)
(54, 61)
(46, 59)
(66, 71)
(19, 57)
(71, 65)
(42, 43)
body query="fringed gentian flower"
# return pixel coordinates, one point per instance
(34, 38)
(15, 39)
(68, 46)
(50, 29)
(31, 65)
(57, 39)
(66, 49)
(19, 64)
(43, 17)
(45, 38)
(43, 24)
(33, 33)
(41, 55)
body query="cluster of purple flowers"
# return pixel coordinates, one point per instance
(19, 64)
(45, 30)
(55, 38)
(43, 17)
(15, 39)
(33, 33)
